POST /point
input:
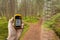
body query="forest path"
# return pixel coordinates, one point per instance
(34, 31)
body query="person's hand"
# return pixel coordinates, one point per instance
(13, 34)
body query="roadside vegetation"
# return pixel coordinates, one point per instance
(54, 24)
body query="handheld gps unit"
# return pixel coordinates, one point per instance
(18, 21)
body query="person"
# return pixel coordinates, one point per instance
(13, 34)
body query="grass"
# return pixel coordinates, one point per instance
(3, 29)
(30, 19)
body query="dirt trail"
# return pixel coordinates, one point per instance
(37, 32)
(34, 31)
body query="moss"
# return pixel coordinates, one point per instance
(3, 31)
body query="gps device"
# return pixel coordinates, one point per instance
(18, 21)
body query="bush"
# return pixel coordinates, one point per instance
(54, 24)
(30, 19)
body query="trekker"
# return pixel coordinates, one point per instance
(13, 34)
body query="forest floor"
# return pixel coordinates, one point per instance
(34, 31)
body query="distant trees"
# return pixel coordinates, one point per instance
(7, 8)
(30, 7)
(51, 7)
(27, 7)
